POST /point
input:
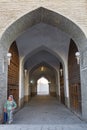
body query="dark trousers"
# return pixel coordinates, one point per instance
(5, 117)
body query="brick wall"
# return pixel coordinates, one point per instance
(13, 73)
(12, 10)
(74, 79)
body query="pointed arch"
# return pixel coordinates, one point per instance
(48, 72)
(49, 17)
(42, 86)
(43, 48)
(44, 15)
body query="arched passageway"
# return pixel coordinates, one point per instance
(42, 86)
(41, 80)
(35, 31)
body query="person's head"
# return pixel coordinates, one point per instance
(10, 98)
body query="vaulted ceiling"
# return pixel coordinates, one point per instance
(42, 30)
(42, 70)
(43, 36)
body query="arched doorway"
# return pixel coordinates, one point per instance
(11, 36)
(42, 86)
(74, 79)
(43, 82)
(13, 73)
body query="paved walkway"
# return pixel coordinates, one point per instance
(45, 113)
(45, 110)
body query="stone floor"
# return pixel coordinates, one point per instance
(45, 110)
(45, 113)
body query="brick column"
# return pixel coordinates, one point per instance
(21, 84)
(58, 86)
(3, 80)
(26, 87)
(66, 86)
(83, 69)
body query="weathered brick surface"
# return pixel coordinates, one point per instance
(72, 9)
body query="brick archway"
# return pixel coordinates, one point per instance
(49, 73)
(49, 17)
